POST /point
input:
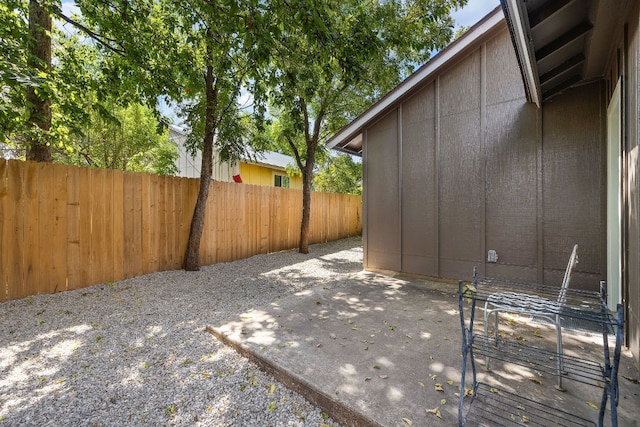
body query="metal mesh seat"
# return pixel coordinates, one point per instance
(533, 305)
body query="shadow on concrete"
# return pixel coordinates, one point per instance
(374, 349)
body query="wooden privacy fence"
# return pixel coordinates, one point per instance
(66, 227)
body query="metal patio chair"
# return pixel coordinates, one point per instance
(533, 305)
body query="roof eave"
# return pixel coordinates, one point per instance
(353, 129)
(517, 18)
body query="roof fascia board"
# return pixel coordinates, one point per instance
(518, 19)
(417, 78)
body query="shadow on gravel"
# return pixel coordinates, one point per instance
(134, 352)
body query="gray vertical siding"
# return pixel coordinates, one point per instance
(629, 71)
(460, 169)
(419, 188)
(382, 198)
(512, 146)
(573, 189)
(633, 181)
(465, 165)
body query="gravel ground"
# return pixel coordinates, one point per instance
(136, 352)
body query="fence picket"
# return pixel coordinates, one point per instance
(66, 227)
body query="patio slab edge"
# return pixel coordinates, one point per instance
(337, 410)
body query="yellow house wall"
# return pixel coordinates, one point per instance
(263, 175)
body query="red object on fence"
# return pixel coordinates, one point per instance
(236, 178)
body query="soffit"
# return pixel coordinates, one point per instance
(561, 43)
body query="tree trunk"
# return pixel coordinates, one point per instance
(307, 179)
(192, 255)
(306, 209)
(39, 105)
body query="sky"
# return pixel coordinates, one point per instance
(474, 11)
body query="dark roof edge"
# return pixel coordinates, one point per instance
(517, 23)
(348, 132)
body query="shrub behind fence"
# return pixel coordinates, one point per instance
(66, 227)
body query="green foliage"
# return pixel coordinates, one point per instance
(339, 174)
(124, 138)
(166, 48)
(460, 31)
(16, 73)
(332, 59)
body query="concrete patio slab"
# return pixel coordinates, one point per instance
(376, 349)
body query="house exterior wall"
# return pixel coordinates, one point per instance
(382, 196)
(624, 65)
(632, 178)
(466, 165)
(263, 175)
(189, 167)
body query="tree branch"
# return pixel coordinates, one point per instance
(104, 41)
(296, 153)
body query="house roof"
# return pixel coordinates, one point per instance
(179, 130)
(269, 158)
(266, 158)
(561, 43)
(349, 138)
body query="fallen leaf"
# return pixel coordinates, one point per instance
(368, 379)
(433, 376)
(435, 411)
(384, 377)
(376, 367)
(438, 387)
(535, 380)
(407, 421)
(592, 405)
(443, 401)
(493, 390)
(525, 419)
(450, 382)
(421, 384)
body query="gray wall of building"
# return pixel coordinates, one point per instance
(624, 64)
(466, 165)
(632, 178)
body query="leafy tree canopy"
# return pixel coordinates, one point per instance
(87, 104)
(331, 59)
(339, 174)
(124, 138)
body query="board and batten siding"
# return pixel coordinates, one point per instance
(465, 165)
(623, 65)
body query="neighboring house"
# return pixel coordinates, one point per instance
(9, 152)
(267, 169)
(522, 137)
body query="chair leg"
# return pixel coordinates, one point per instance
(487, 315)
(560, 356)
